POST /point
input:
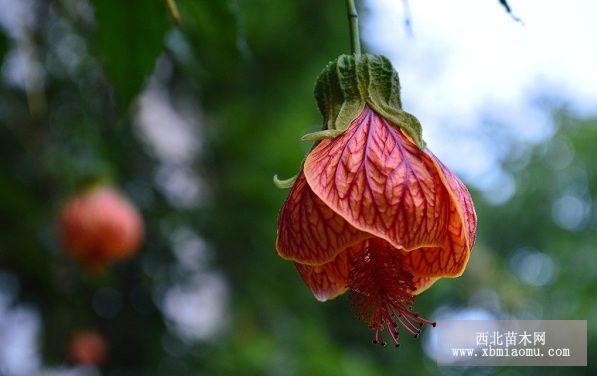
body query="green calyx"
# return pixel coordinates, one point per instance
(343, 89)
(349, 83)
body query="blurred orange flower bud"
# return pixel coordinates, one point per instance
(99, 226)
(88, 347)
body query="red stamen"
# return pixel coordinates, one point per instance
(381, 291)
(413, 326)
(405, 325)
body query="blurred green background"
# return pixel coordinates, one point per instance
(192, 122)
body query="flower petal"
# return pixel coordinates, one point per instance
(448, 260)
(309, 232)
(462, 197)
(423, 283)
(381, 182)
(329, 280)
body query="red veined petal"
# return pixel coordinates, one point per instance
(462, 197)
(309, 232)
(329, 280)
(448, 260)
(381, 182)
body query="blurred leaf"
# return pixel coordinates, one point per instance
(130, 39)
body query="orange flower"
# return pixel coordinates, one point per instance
(374, 213)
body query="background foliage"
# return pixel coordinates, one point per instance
(236, 80)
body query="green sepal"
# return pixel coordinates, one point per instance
(350, 82)
(284, 183)
(322, 135)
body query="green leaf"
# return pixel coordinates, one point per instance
(130, 39)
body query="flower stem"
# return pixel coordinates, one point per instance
(353, 24)
(174, 13)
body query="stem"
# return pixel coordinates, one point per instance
(353, 24)
(174, 13)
